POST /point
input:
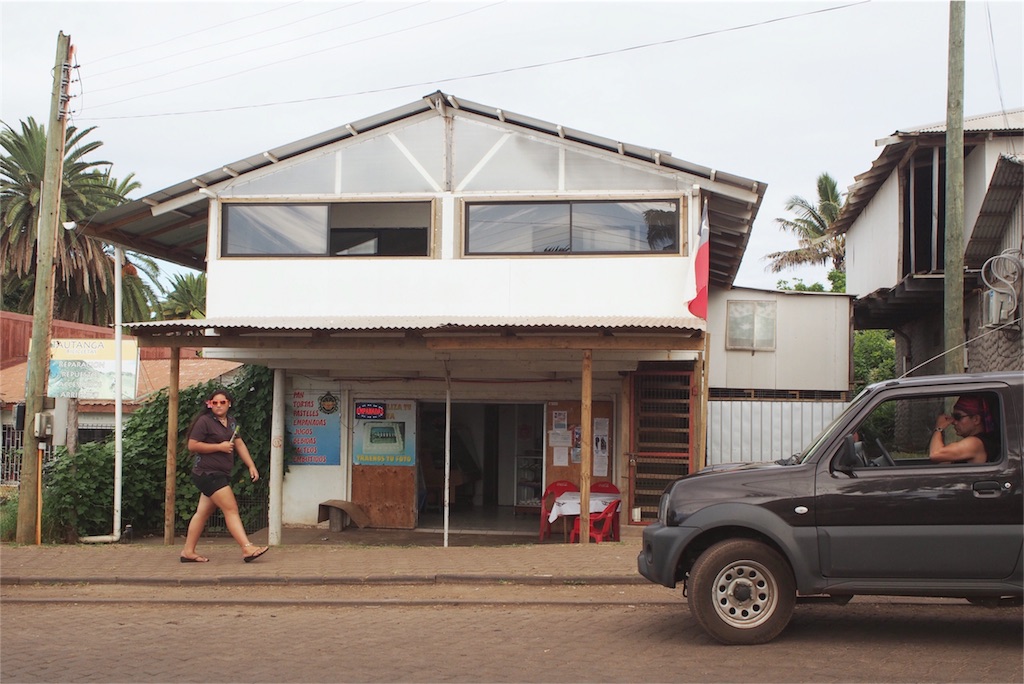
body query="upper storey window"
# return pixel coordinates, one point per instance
(329, 230)
(572, 227)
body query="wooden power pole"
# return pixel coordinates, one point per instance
(29, 491)
(953, 338)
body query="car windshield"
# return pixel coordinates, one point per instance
(827, 433)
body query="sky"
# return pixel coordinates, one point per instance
(777, 92)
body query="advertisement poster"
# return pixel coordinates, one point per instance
(87, 369)
(385, 433)
(313, 418)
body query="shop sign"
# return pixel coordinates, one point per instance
(387, 436)
(87, 369)
(314, 422)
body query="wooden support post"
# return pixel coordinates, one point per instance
(586, 443)
(172, 447)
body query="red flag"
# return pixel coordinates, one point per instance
(699, 304)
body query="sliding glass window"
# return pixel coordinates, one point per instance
(342, 229)
(572, 227)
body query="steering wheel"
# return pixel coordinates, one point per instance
(886, 458)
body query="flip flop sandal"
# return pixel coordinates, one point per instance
(254, 556)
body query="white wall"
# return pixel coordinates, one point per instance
(812, 343)
(598, 286)
(873, 243)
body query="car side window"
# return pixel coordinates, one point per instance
(902, 432)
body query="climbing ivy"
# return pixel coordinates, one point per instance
(79, 490)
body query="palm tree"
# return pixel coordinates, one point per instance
(186, 297)
(84, 266)
(813, 228)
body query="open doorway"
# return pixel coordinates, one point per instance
(491, 445)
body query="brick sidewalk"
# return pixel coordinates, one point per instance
(316, 556)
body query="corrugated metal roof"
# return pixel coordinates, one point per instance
(1003, 194)
(178, 231)
(996, 121)
(356, 324)
(867, 184)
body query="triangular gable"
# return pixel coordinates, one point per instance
(409, 156)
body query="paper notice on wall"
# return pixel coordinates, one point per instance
(560, 456)
(559, 420)
(601, 447)
(559, 438)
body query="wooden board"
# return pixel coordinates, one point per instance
(387, 494)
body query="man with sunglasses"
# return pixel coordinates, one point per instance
(972, 420)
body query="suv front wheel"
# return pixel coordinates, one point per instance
(741, 592)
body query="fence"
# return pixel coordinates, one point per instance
(757, 431)
(10, 455)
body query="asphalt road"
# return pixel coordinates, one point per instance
(479, 633)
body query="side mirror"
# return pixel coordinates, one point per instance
(847, 460)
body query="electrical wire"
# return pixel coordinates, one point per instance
(150, 46)
(995, 69)
(485, 74)
(166, 57)
(308, 54)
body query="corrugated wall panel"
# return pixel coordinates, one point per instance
(756, 431)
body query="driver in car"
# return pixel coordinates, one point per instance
(972, 420)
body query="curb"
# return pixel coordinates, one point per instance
(308, 580)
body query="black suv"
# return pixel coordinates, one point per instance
(864, 510)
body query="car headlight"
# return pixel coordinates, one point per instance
(663, 515)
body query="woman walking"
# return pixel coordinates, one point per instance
(213, 440)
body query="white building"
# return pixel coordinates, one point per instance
(452, 268)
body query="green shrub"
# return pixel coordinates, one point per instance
(9, 515)
(79, 489)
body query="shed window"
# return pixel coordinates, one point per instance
(342, 229)
(750, 325)
(583, 227)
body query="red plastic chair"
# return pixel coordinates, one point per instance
(553, 491)
(602, 525)
(605, 487)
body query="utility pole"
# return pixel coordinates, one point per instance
(953, 337)
(29, 491)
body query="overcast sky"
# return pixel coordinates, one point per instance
(778, 92)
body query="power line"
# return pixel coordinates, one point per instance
(484, 74)
(308, 54)
(166, 58)
(186, 35)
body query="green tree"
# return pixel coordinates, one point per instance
(874, 357)
(186, 297)
(818, 244)
(836, 278)
(84, 266)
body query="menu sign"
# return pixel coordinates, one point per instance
(314, 422)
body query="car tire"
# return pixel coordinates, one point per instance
(741, 591)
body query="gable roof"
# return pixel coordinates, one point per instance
(901, 142)
(171, 224)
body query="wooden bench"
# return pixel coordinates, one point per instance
(333, 511)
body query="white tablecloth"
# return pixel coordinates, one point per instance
(569, 504)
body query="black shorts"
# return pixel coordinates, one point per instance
(210, 483)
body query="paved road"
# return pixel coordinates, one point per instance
(478, 634)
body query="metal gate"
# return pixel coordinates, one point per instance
(661, 437)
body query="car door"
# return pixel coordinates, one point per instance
(915, 519)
